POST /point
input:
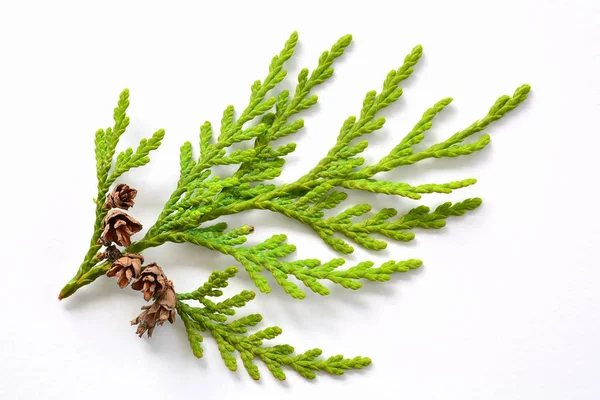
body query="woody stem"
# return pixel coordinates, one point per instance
(93, 271)
(86, 278)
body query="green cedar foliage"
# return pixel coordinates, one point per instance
(232, 336)
(201, 197)
(108, 171)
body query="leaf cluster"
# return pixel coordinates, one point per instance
(201, 196)
(269, 255)
(248, 140)
(232, 336)
(109, 169)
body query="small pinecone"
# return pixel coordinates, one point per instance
(151, 282)
(126, 268)
(111, 253)
(162, 310)
(120, 197)
(118, 227)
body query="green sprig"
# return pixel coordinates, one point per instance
(232, 336)
(106, 141)
(266, 256)
(201, 197)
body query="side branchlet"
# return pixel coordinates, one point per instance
(232, 336)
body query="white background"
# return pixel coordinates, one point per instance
(506, 305)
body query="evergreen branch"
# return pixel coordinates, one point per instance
(201, 197)
(360, 232)
(311, 272)
(305, 199)
(106, 142)
(129, 159)
(232, 336)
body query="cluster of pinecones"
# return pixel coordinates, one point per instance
(117, 228)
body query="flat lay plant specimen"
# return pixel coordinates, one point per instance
(200, 198)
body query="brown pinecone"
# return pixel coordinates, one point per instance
(118, 228)
(151, 282)
(120, 197)
(163, 309)
(126, 268)
(111, 253)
